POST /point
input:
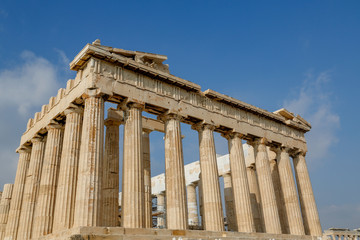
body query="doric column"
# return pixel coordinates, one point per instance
(229, 203)
(176, 208)
(240, 185)
(273, 158)
(4, 208)
(214, 219)
(133, 192)
(88, 192)
(17, 195)
(292, 207)
(192, 204)
(110, 178)
(45, 204)
(31, 188)
(266, 186)
(160, 199)
(201, 203)
(69, 164)
(255, 198)
(147, 178)
(307, 201)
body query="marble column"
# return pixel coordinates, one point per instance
(110, 178)
(192, 204)
(255, 198)
(66, 189)
(17, 195)
(5, 208)
(147, 178)
(229, 203)
(45, 204)
(291, 202)
(160, 199)
(240, 185)
(201, 203)
(31, 188)
(214, 219)
(273, 157)
(266, 186)
(307, 201)
(133, 191)
(88, 192)
(176, 207)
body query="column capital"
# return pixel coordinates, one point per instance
(169, 116)
(93, 93)
(258, 141)
(202, 126)
(147, 130)
(74, 109)
(193, 184)
(54, 125)
(112, 122)
(127, 104)
(23, 149)
(231, 135)
(37, 138)
(297, 152)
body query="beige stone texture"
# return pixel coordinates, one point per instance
(110, 177)
(5, 208)
(88, 191)
(31, 189)
(201, 203)
(240, 185)
(133, 191)
(17, 195)
(69, 165)
(160, 199)
(229, 203)
(192, 205)
(273, 158)
(289, 192)
(147, 178)
(176, 207)
(307, 200)
(45, 203)
(266, 186)
(213, 213)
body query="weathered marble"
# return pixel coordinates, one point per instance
(89, 191)
(5, 208)
(229, 203)
(192, 205)
(69, 165)
(17, 195)
(147, 178)
(160, 199)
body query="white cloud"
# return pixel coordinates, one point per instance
(29, 84)
(314, 103)
(24, 88)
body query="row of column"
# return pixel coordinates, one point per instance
(67, 180)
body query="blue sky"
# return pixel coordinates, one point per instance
(302, 55)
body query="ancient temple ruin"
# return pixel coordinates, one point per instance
(67, 180)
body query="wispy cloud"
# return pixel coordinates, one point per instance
(24, 88)
(314, 103)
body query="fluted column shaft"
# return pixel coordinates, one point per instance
(160, 199)
(278, 193)
(242, 201)
(229, 203)
(88, 192)
(147, 178)
(45, 204)
(213, 213)
(133, 192)
(255, 198)
(176, 207)
(192, 204)
(110, 178)
(66, 189)
(5, 208)
(31, 188)
(292, 207)
(266, 186)
(307, 200)
(17, 195)
(201, 203)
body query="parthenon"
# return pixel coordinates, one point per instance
(67, 179)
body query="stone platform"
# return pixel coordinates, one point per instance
(120, 233)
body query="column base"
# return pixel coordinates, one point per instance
(111, 233)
